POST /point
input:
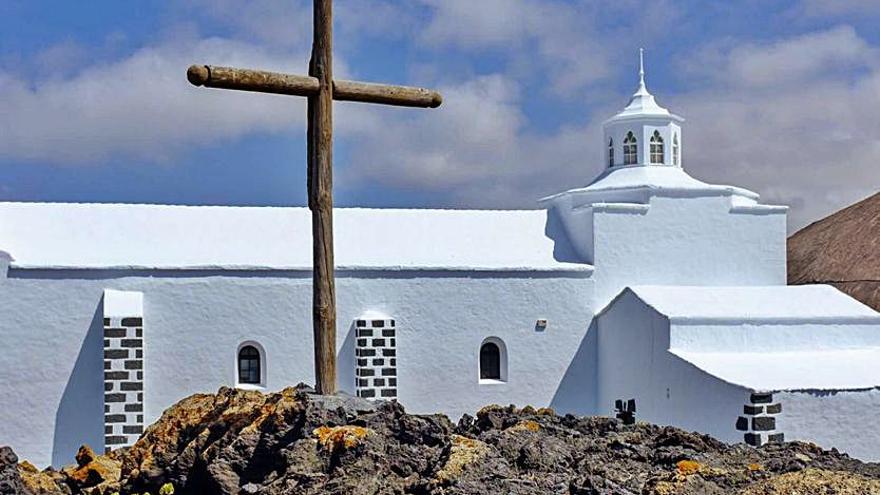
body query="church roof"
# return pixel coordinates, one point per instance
(843, 369)
(121, 236)
(655, 179)
(753, 303)
(842, 249)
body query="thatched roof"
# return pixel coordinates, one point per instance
(843, 250)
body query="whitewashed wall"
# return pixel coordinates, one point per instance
(847, 420)
(195, 321)
(686, 241)
(634, 363)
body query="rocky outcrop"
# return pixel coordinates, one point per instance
(10, 479)
(293, 442)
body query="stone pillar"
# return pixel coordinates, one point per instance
(759, 419)
(376, 354)
(123, 368)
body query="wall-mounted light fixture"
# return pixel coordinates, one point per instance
(541, 324)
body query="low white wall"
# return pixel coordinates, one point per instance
(847, 420)
(634, 363)
(51, 377)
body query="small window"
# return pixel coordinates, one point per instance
(611, 152)
(675, 149)
(656, 148)
(630, 149)
(493, 361)
(249, 365)
(490, 361)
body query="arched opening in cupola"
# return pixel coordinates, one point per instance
(630, 149)
(611, 152)
(657, 148)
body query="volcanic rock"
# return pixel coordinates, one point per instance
(294, 442)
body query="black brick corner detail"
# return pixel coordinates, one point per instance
(375, 358)
(774, 408)
(753, 439)
(742, 424)
(761, 398)
(776, 438)
(123, 381)
(763, 423)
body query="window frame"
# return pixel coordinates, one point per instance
(261, 363)
(676, 152)
(630, 149)
(502, 362)
(657, 149)
(611, 152)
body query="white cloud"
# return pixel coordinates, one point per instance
(806, 58)
(141, 105)
(785, 121)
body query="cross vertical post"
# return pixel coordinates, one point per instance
(321, 89)
(320, 190)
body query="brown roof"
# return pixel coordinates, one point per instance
(843, 250)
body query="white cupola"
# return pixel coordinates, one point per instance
(644, 133)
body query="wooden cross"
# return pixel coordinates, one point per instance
(321, 90)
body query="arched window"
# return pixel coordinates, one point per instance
(493, 361)
(611, 152)
(675, 149)
(250, 366)
(630, 149)
(656, 148)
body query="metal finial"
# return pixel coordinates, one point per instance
(642, 67)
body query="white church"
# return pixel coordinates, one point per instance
(646, 285)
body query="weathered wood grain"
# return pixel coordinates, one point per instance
(259, 81)
(320, 187)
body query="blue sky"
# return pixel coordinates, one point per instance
(779, 97)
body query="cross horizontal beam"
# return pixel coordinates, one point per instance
(260, 81)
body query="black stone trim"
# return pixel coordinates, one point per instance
(106, 322)
(753, 439)
(134, 365)
(761, 398)
(378, 342)
(774, 408)
(752, 410)
(388, 332)
(114, 333)
(114, 397)
(742, 424)
(365, 332)
(389, 352)
(759, 423)
(115, 354)
(132, 429)
(378, 323)
(116, 375)
(134, 408)
(114, 418)
(389, 372)
(132, 322)
(131, 386)
(389, 392)
(115, 440)
(360, 323)
(776, 438)
(131, 343)
(367, 392)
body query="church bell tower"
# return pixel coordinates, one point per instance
(644, 134)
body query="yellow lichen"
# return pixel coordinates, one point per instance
(464, 451)
(340, 437)
(526, 425)
(546, 411)
(755, 467)
(687, 467)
